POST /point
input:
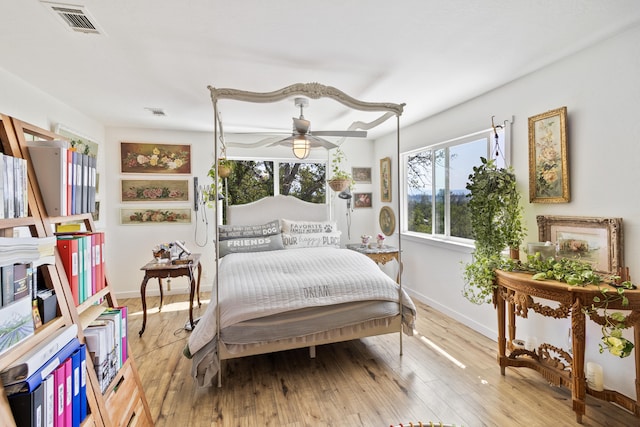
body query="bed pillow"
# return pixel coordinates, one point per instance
(311, 240)
(251, 244)
(226, 232)
(308, 227)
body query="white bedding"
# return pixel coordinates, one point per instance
(260, 284)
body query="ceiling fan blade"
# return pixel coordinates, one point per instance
(301, 125)
(319, 142)
(282, 141)
(344, 133)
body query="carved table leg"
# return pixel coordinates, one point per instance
(579, 385)
(143, 296)
(198, 283)
(499, 301)
(161, 293)
(192, 288)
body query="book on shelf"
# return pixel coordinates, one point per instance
(16, 323)
(38, 356)
(68, 391)
(59, 396)
(49, 386)
(50, 164)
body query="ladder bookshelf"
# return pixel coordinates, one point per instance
(124, 401)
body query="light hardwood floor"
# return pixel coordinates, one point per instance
(448, 374)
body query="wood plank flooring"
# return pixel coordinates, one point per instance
(448, 374)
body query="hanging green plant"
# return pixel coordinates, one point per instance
(496, 224)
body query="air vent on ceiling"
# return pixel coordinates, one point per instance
(156, 111)
(75, 18)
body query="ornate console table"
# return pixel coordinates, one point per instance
(514, 296)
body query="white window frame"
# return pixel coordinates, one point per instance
(446, 239)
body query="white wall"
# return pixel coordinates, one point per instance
(129, 246)
(600, 88)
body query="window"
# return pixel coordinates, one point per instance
(436, 177)
(251, 180)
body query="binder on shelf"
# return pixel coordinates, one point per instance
(38, 356)
(77, 162)
(75, 387)
(7, 284)
(8, 187)
(93, 175)
(59, 396)
(68, 249)
(28, 408)
(70, 182)
(50, 164)
(68, 392)
(49, 407)
(83, 382)
(34, 380)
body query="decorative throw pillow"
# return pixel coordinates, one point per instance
(227, 232)
(311, 240)
(308, 227)
(251, 244)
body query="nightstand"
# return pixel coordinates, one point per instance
(380, 255)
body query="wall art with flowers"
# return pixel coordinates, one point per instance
(548, 163)
(154, 190)
(160, 215)
(138, 157)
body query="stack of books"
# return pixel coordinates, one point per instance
(13, 187)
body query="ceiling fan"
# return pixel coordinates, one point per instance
(302, 139)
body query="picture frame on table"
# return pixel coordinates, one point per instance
(385, 179)
(595, 240)
(361, 175)
(154, 190)
(548, 157)
(142, 157)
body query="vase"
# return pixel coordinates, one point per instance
(380, 244)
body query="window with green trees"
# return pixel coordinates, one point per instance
(251, 180)
(436, 176)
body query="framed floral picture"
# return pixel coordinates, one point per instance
(597, 241)
(155, 216)
(362, 200)
(385, 179)
(361, 175)
(154, 190)
(548, 164)
(138, 157)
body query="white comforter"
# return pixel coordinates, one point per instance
(258, 284)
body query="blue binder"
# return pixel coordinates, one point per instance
(83, 382)
(75, 388)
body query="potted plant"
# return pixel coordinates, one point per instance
(340, 179)
(224, 167)
(496, 224)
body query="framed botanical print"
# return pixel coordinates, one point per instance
(154, 190)
(155, 216)
(385, 179)
(548, 164)
(138, 157)
(361, 175)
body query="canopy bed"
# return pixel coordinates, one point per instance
(281, 280)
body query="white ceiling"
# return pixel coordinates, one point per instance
(429, 54)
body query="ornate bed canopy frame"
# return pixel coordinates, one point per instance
(313, 91)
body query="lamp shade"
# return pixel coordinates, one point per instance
(301, 147)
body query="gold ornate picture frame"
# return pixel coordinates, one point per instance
(385, 179)
(548, 164)
(598, 241)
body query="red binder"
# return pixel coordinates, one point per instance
(68, 249)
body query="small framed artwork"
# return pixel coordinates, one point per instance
(385, 179)
(548, 164)
(387, 220)
(154, 190)
(155, 216)
(138, 157)
(362, 200)
(361, 175)
(597, 241)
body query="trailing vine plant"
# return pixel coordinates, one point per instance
(496, 224)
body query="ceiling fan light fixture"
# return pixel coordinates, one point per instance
(301, 147)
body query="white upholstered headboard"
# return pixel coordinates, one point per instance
(276, 207)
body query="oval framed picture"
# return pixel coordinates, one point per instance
(387, 220)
